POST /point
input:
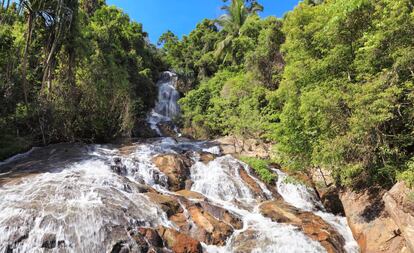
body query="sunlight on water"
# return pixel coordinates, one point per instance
(85, 203)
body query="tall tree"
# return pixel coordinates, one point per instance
(232, 21)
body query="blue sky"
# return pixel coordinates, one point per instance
(181, 16)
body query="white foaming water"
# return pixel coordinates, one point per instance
(300, 196)
(167, 107)
(221, 182)
(88, 204)
(168, 96)
(80, 207)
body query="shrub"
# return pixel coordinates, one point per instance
(261, 167)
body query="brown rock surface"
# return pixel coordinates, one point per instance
(213, 224)
(371, 225)
(251, 183)
(231, 145)
(312, 225)
(209, 229)
(167, 129)
(175, 167)
(206, 157)
(401, 208)
(191, 195)
(331, 201)
(168, 203)
(179, 242)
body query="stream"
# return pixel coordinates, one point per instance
(94, 198)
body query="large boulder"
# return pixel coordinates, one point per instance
(179, 242)
(206, 222)
(311, 225)
(231, 145)
(371, 224)
(213, 224)
(157, 240)
(400, 206)
(167, 129)
(176, 168)
(168, 204)
(209, 229)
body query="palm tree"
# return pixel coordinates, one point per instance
(232, 21)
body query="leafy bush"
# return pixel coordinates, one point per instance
(261, 167)
(408, 175)
(228, 103)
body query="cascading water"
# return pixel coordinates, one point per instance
(220, 181)
(77, 198)
(167, 107)
(304, 198)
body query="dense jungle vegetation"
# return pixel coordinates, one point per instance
(331, 83)
(71, 71)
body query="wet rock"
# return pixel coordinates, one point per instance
(178, 242)
(188, 184)
(181, 220)
(191, 195)
(9, 249)
(118, 167)
(372, 226)
(168, 204)
(209, 229)
(167, 129)
(20, 236)
(49, 241)
(331, 201)
(175, 167)
(246, 241)
(252, 184)
(312, 225)
(223, 215)
(207, 157)
(152, 237)
(401, 208)
(61, 244)
(120, 247)
(213, 225)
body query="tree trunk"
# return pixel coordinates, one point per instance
(47, 74)
(25, 54)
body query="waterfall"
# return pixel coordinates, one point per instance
(168, 96)
(220, 181)
(87, 198)
(304, 198)
(166, 107)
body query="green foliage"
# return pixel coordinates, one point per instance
(192, 57)
(331, 85)
(10, 145)
(347, 89)
(261, 167)
(80, 71)
(408, 174)
(229, 103)
(293, 180)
